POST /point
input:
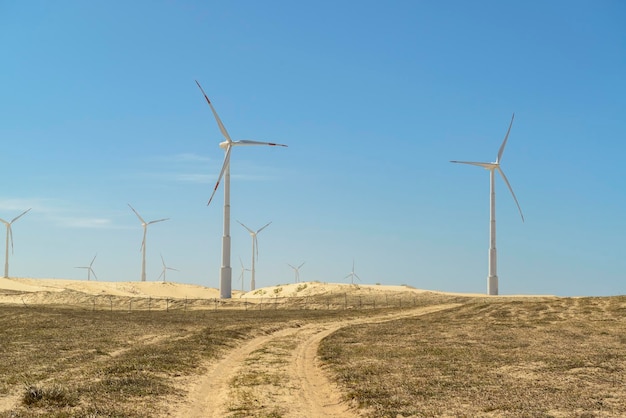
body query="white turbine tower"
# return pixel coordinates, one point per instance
(90, 269)
(243, 271)
(144, 224)
(255, 250)
(10, 237)
(226, 270)
(352, 275)
(296, 270)
(492, 280)
(165, 268)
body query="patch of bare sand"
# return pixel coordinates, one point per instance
(132, 289)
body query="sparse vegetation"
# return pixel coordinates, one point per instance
(498, 357)
(488, 357)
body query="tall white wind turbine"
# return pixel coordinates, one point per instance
(165, 268)
(492, 279)
(144, 224)
(10, 237)
(352, 275)
(296, 271)
(227, 145)
(255, 250)
(89, 269)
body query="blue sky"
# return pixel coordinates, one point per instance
(99, 109)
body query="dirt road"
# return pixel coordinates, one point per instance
(277, 375)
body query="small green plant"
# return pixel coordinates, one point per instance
(301, 287)
(277, 290)
(54, 396)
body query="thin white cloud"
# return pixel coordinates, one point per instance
(55, 212)
(90, 223)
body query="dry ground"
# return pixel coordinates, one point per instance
(331, 353)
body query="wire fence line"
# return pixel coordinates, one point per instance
(335, 301)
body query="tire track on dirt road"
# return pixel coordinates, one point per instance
(278, 374)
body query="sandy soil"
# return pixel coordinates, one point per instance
(277, 374)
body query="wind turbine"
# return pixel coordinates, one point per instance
(352, 275)
(10, 236)
(165, 268)
(296, 270)
(255, 249)
(243, 270)
(144, 224)
(227, 145)
(90, 269)
(492, 279)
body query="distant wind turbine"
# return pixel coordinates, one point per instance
(296, 270)
(144, 224)
(352, 275)
(492, 279)
(10, 237)
(243, 271)
(255, 249)
(226, 270)
(90, 269)
(165, 268)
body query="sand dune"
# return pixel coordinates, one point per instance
(16, 290)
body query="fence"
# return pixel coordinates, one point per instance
(334, 301)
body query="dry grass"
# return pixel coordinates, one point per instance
(531, 358)
(69, 362)
(488, 357)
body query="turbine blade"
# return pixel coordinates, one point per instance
(224, 166)
(160, 275)
(301, 264)
(136, 213)
(483, 165)
(512, 193)
(246, 142)
(249, 230)
(291, 266)
(143, 241)
(3, 221)
(158, 220)
(268, 224)
(505, 139)
(93, 272)
(217, 118)
(94, 259)
(170, 268)
(10, 232)
(22, 214)
(162, 260)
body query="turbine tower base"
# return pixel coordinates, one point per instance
(492, 285)
(226, 282)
